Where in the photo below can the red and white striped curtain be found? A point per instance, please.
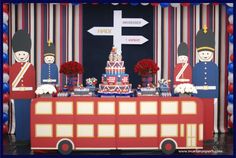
(59, 23)
(62, 24)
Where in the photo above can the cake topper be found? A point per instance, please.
(114, 56)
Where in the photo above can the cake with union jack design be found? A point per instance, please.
(115, 81)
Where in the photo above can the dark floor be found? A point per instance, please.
(222, 145)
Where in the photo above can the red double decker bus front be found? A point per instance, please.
(117, 123)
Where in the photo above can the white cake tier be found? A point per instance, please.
(104, 88)
(115, 64)
(115, 70)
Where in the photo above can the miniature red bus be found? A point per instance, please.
(90, 123)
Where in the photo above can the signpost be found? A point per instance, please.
(116, 30)
(133, 40)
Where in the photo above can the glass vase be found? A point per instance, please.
(72, 81)
(148, 79)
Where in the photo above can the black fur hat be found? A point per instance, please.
(49, 49)
(183, 49)
(21, 41)
(205, 40)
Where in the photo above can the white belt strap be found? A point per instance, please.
(181, 71)
(49, 80)
(205, 87)
(20, 75)
(22, 88)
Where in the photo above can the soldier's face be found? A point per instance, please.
(205, 55)
(182, 59)
(21, 56)
(49, 59)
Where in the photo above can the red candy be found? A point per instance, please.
(5, 68)
(231, 88)
(5, 38)
(5, 8)
(4, 129)
(232, 57)
(230, 29)
(5, 98)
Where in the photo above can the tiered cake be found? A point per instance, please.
(115, 81)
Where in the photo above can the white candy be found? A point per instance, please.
(231, 19)
(231, 47)
(230, 108)
(5, 77)
(230, 4)
(5, 107)
(5, 18)
(5, 48)
(231, 78)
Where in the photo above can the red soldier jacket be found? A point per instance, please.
(22, 81)
(182, 74)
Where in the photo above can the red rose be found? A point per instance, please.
(145, 67)
(71, 67)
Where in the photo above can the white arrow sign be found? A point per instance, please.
(102, 31)
(116, 30)
(133, 22)
(133, 40)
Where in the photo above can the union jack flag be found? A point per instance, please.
(111, 79)
(125, 79)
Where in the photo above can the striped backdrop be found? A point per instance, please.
(181, 24)
(62, 24)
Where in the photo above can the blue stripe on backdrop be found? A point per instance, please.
(162, 44)
(63, 36)
(220, 47)
(201, 16)
(45, 35)
(210, 9)
(191, 37)
(172, 45)
(73, 34)
(26, 17)
(16, 17)
(35, 37)
(181, 24)
(54, 24)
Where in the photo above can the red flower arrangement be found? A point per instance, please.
(71, 68)
(146, 67)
